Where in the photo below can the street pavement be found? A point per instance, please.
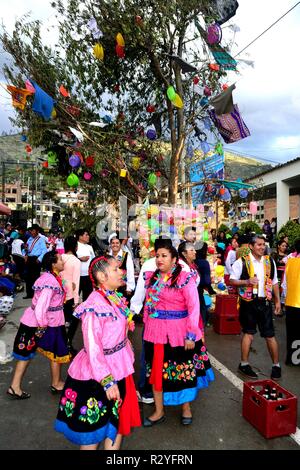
(218, 423)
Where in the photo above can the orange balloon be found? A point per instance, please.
(146, 243)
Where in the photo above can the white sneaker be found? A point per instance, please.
(141, 399)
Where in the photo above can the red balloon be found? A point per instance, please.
(45, 164)
(196, 80)
(150, 108)
(117, 87)
(90, 161)
(120, 50)
(139, 20)
(211, 250)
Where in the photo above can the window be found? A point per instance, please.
(14, 190)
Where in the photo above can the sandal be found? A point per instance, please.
(16, 396)
(55, 391)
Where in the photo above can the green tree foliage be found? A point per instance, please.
(249, 227)
(153, 30)
(291, 230)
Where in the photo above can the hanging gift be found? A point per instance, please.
(223, 58)
(123, 173)
(98, 51)
(73, 180)
(19, 96)
(231, 126)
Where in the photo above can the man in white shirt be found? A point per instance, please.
(85, 254)
(126, 263)
(255, 276)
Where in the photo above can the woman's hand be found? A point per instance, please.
(188, 344)
(113, 393)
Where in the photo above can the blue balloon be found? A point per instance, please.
(107, 119)
(151, 134)
(221, 286)
(205, 147)
(203, 101)
(23, 138)
(172, 229)
(222, 246)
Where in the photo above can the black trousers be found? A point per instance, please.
(73, 321)
(20, 265)
(85, 286)
(33, 272)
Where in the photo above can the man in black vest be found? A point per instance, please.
(255, 276)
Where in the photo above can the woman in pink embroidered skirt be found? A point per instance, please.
(99, 400)
(42, 328)
(176, 358)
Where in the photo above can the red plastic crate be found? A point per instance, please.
(270, 418)
(228, 325)
(226, 317)
(226, 305)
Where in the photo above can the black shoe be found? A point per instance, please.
(248, 371)
(276, 373)
(186, 421)
(148, 422)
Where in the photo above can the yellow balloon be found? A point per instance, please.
(120, 40)
(136, 162)
(53, 113)
(123, 173)
(219, 270)
(98, 51)
(177, 101)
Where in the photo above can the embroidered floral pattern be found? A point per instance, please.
(92, 411)
(115, 409)
(183, 371)
(30, 343)
(68, 401)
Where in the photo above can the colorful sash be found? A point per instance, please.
(246, 292)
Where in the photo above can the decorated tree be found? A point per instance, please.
(126, 84)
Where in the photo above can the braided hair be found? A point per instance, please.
(176, 272)
(49, 259)
(98, 264)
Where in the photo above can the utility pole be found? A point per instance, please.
(32, 195)
(3, 182)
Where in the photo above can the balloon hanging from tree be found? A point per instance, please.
(73, 180)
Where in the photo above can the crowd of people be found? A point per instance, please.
(70, 285)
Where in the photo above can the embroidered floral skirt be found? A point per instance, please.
(85, 415)
(178, 373)
(51, 343)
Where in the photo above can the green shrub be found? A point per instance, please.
(290, 229)
(249, 226)
(223, 228)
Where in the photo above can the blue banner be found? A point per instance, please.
(205, 169)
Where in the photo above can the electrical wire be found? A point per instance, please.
(271, 26)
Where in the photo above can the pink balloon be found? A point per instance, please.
(253, 207)
(87, 176)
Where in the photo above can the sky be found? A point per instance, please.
(268, 95)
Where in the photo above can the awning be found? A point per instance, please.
(4, 210)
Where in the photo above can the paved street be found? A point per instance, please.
(218, 422)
